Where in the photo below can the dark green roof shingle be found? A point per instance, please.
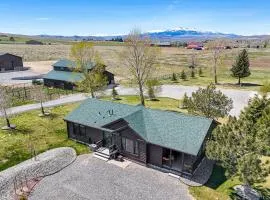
(182, 132)
(72, 77)
(71, 64)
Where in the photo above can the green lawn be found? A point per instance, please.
(162, 103)
(44, 133)
(50, 132)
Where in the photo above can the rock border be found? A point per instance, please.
(45, 164)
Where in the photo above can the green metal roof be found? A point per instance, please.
(71, 64)
(72, 77)
(182, 132)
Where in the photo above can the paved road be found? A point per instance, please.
(64, 100)
(89, 178)
(240, 98)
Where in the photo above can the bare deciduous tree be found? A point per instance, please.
(5, 103)
(140, 58)
(39, 95)
(216, 47)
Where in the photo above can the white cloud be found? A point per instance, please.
(42, 18)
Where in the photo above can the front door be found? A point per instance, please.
(107, 139)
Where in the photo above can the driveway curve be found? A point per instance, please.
(240, 97)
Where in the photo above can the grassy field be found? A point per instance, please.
(43, 133)
(50, 132)
(171, 60)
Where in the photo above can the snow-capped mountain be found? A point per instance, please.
(186, 34)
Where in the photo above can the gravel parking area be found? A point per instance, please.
(7, 78)
(91, 178)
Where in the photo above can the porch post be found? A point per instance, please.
(170, 158)
(183, 155)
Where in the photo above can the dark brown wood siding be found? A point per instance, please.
(110, 77)
(154, 155)
(10, 62)
(130, 134)
(58, 84)
(91, 135)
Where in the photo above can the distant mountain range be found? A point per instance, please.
(160, 35)
(178, 34)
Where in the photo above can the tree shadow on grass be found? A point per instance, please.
(242, 84)
(217, 178)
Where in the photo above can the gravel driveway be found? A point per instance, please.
(91, 178)
(7, 77)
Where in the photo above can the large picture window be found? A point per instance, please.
(79, 130)
(130, 146)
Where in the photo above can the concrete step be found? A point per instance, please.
(101, 156)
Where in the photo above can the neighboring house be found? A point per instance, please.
(162, 44)
(64, 76)
(195, 45)
(10, 62)
(171, 141)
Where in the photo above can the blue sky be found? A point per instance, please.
(94, 17)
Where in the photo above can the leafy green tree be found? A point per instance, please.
(93, 79)
(241, 67)
(210, 102)
(183, 75)
(153, 87)
(174, 77)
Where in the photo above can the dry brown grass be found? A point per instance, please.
(172, 60)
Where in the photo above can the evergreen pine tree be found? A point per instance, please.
(241, 67)
(185, 101)
(174, 77)
(183, 75)
(200, 72)
(192, 74)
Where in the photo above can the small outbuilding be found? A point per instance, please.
(65, 76)
(10, 62)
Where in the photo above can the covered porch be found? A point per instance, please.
(179, 161)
